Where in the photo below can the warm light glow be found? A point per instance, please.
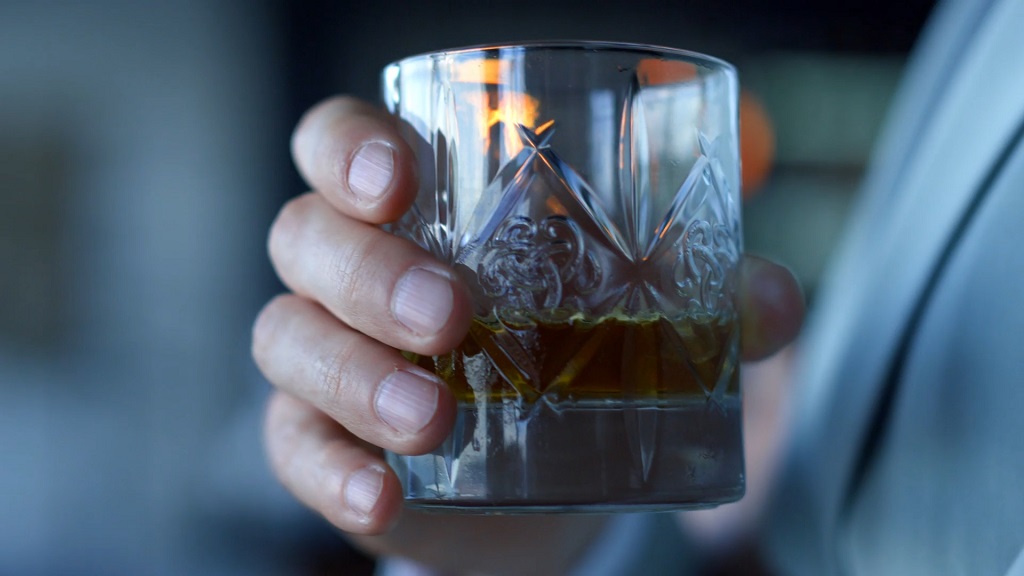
(757, 144)
(498, 104)
(512, 108)
(481, 71)
(657, 72)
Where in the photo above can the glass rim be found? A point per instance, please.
(639, 49)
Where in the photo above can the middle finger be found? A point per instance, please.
(379, 284)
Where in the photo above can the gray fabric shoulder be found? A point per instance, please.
(1018, 567)
(639, 545)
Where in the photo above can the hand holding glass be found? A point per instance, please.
(588, 194)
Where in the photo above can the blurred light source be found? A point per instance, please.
(757, 143)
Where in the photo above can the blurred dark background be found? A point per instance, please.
(143, 153)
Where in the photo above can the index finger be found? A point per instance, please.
(352, 153)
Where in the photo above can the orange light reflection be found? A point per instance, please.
(498, 105)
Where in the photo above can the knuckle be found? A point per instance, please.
(334, 378)
(280, 431)
(267, 326)
(353, 267)
(334, 452)
(287, 224)
(275, 411)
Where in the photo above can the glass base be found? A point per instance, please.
(594, 457)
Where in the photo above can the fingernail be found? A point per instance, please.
(370, 171)
(363, 489)
(406, 402)
(422, 301)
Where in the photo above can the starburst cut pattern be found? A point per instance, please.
(539, 246)
(539, 243)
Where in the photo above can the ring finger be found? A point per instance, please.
(367, 387)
